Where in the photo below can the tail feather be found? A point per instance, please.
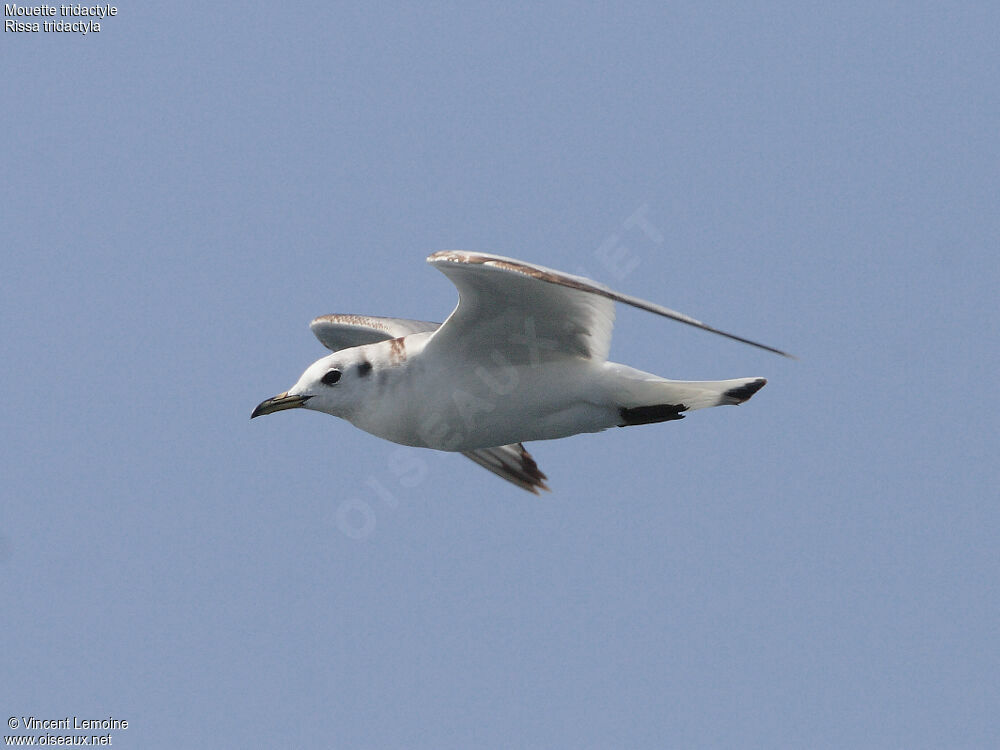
(642, 398)
(737, 395)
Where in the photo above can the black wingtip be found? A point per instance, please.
(534, 476)
(513, 463)
(744, 392)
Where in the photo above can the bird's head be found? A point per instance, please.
(332, 384)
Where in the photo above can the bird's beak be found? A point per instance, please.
(279, 403)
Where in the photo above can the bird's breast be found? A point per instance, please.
(474, 405)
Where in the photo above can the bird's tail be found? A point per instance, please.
(642, 398)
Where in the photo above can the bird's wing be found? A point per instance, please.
(531, 313)
(338, 332)
(525, 313)
(513, 463)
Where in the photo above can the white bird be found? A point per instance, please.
(522, 357)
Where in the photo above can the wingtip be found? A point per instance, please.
(512, 463)
(765, 347)
(534, 474)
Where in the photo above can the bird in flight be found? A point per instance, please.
(522, 357)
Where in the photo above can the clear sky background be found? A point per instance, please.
(183, 191)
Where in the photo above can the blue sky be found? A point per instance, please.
(186, 189)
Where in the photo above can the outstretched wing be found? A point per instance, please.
(505, 307)
(522, 310)
(338, 332)
(513, 463)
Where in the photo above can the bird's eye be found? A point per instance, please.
(331, 377)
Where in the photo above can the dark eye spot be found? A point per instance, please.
(364, 367)
(331, 377)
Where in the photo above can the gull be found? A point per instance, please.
(522, 357)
